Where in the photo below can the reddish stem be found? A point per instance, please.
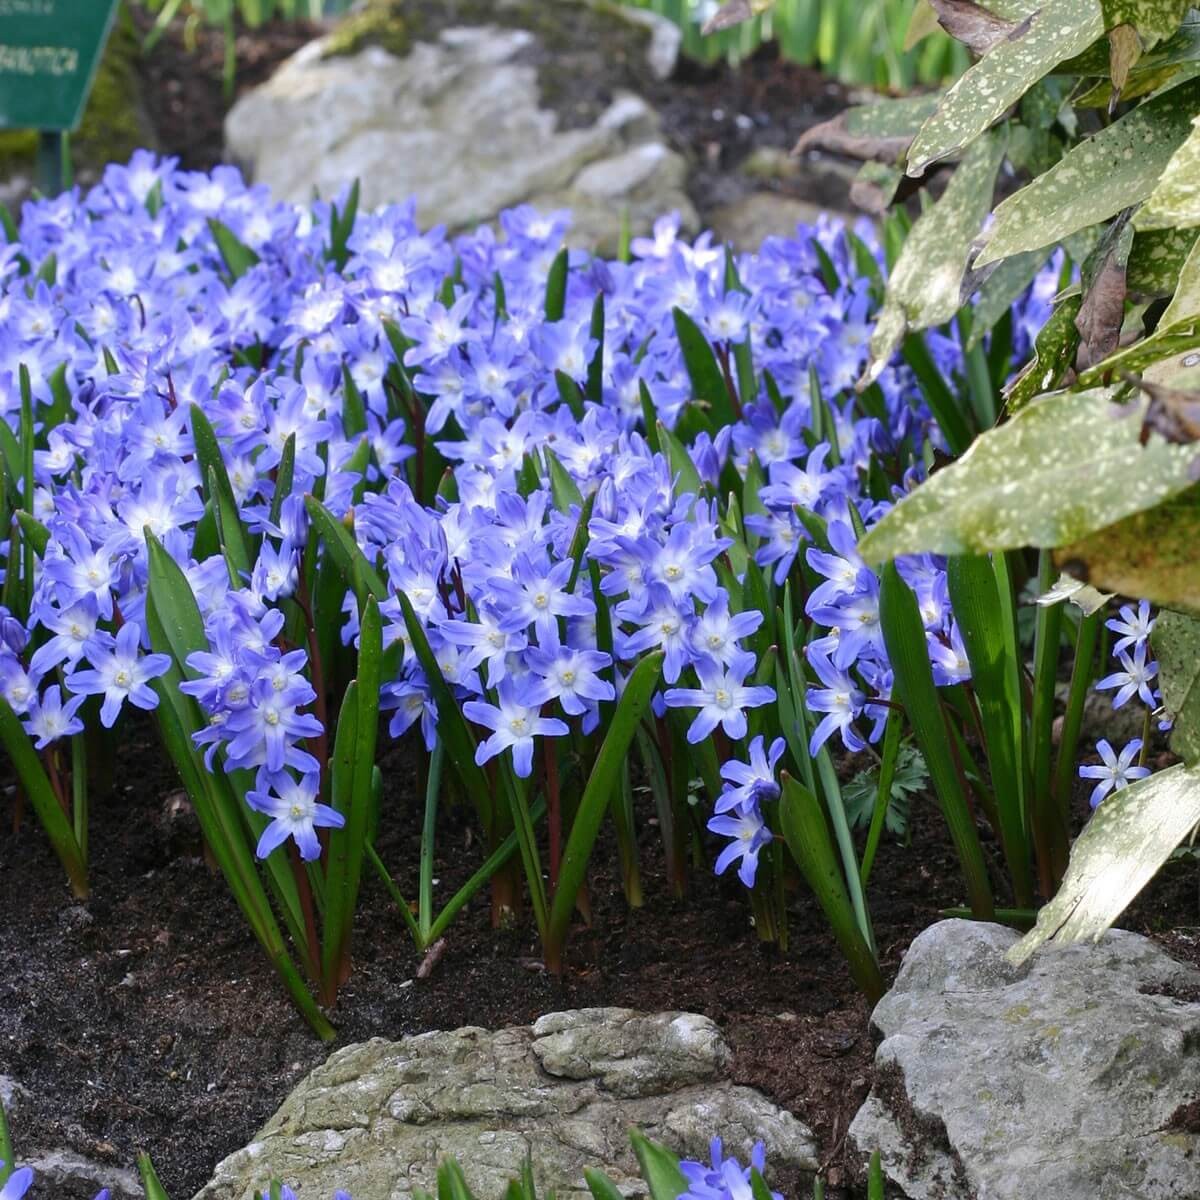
(553, 810)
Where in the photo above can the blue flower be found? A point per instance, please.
(291, 804)
(1116, 771)
(1134, 626)
(48, 719)
(515, 723)
(121, 674)
(753, 781)
(723, 1178)
(750, 834)
(1132, 679)
(17, 1184)
(722, 697)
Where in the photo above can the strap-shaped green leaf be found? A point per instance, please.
(597, 797)
(353, 764)
(556, 286)
(904, 637)
(990, 641)
(150, 1181)
(237, 256)
(708, 383)
(355, 569)
(807, 835)
(683, 470)
(36, 784)
(219, 490)
(660, 1168)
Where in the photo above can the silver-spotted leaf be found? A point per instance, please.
(1053, 356)
(1175, 201)
(1130, 835)
(1059, 29)
(1176, 643)
(999, 289)
(1156, 260)
(1153, 19)
(1063, 467)
(1151, 554)
(1116, 168)
(925, 285)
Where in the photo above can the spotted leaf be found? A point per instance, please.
(1056, 31)
(1120, 850)
(1116, 168)
(1062, 468)
(926, 282)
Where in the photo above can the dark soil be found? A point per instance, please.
(181, 79)
(715, 116)
(147, 1018)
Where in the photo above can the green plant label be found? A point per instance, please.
(49, 50)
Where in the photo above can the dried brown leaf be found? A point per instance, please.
(835, 135)
(1103, 310)
(973, 25)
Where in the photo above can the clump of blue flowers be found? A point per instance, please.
(1132, 680)
(543, 468)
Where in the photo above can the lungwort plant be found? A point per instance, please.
(1094, 461)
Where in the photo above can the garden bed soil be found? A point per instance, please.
(716, 116)
(147, 1018)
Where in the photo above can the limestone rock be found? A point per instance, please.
(12, 1094)
(1067, 1078)
(378, 1117)
(67, 1176)
(666, 39)
(458, 123)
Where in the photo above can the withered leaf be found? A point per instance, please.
(1103, 310)
(866, 147)
(734, 12)
(972, 24)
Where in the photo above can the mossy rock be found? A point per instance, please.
(586, 49)
(114, 123)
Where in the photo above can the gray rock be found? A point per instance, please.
(67, 1175)
(378, 1117)
(1063, 1079)
(12, 1094)
(459, 124)
(666, 39)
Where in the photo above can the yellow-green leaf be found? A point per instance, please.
(1175, 201)
(1063, 467)
(1151, 554)
(1131, 835)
